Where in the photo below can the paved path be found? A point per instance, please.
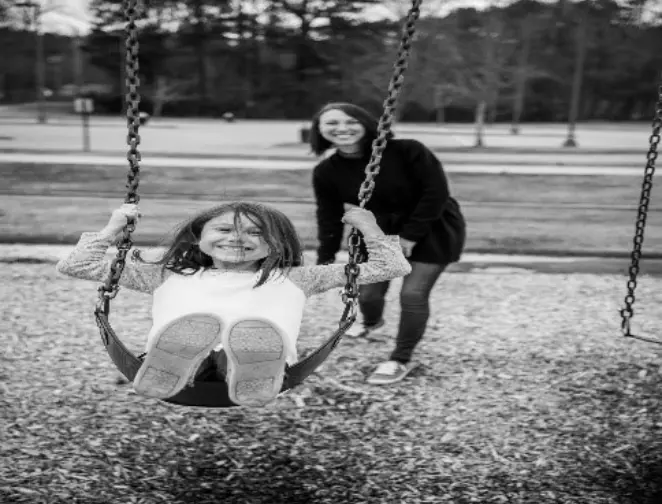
(52, 253)
(279, 164)
(300, 152)
(209, 136)
(165, 142)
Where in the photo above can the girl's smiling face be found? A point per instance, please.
(233, 243)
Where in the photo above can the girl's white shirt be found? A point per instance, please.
(232, 297)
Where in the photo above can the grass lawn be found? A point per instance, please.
(492, 205)
(295, 184)
(526, 393)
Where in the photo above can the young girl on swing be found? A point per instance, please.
(233, 279)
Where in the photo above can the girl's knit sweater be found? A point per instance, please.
(232, 296)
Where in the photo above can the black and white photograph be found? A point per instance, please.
(330, 252)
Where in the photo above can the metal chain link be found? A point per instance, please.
(132, 9)
(628, 312)
(351, 290)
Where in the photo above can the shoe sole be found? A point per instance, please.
(180, 348)
(256, 362)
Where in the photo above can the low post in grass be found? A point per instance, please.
(84, 107)
(304, 134)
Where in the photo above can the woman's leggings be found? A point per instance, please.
(414, 303)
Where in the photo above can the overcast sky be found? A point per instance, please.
(67, 15)
(73, 17)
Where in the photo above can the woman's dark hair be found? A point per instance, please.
(319, 144)
(285, 251)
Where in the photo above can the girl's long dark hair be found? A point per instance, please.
(319, 144)
(183, 255)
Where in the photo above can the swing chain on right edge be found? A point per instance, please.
(351, 291)
(132, 9)
(628, 312)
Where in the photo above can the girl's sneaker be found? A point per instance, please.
(256, 362)
(178, 350)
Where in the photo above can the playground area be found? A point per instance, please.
(526, 390)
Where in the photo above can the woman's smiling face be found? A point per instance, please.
(340, 129)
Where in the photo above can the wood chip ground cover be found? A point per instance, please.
(526, 393)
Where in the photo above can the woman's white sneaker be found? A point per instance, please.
(390, 372)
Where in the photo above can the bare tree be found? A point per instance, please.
(481, 69)
(521, 74)
(33, 21)
(306, 14)
(167, 89)
(580, 57)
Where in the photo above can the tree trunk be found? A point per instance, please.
(480, 122)
(520, 85)
(399, 111)
(40, 67)
(577, 80)
(252, 79)
(301, 91)
(122, 49)
(159, 97)
(201, 51)
(439, 104)
(242, 59)
(493, 110)
(77, 58)
(492, 66)
(58, 77)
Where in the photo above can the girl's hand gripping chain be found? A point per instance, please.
(363, 220)
(120, 218)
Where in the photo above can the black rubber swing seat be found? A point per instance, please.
(212, 394)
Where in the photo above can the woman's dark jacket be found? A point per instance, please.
(411, 199)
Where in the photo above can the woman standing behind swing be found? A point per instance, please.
(411, 199)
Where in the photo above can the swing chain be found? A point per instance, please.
(109, 289)
(351, 290)
(394, 89)
(628, 312)
(131, 7)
